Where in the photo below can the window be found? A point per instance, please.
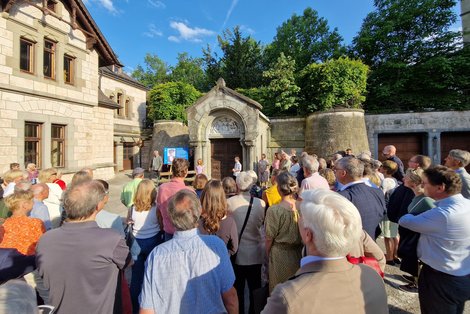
(49, 59)
(32, 143)
(51, 4)
(68, 69)
(57, 145)
(120, 111)
(26, 55)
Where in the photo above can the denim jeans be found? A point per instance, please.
(138, 269)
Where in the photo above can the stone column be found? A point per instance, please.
(250, 154)
(118, 146)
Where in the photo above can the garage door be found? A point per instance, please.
(453, 140)
(407, 144)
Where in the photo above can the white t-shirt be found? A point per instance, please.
(145, 223)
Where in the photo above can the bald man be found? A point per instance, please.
(41, 192)
(390, 152)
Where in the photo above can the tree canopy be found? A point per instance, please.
(307, 39)
(168, 101)
(337, 82)
(241, 63)
(155, 71)
(189, 70)
(416, 60)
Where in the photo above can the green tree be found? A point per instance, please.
(307, 39)
(155, 71)
(241, 63)
(168, 101)
(189, 70)
(416, 61)
(337, 82)
(282, 89)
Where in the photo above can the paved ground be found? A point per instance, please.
(399, 302)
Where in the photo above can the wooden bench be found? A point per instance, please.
(166, 177)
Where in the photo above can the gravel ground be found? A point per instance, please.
(399, 302)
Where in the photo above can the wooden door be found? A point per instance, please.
(223, 152)
(454, 140)
(407, 144)
(128, 156)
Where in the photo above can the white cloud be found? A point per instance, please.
(229, 12)
(189, 34)
(153, 32)
(247, 29)
(108, 5)
(157, 4)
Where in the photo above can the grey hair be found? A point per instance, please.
(81, 200)
(39, 188)
(184, 209)
(311, 163)
(253, 175)
(23, 186)
(461, 155)
(244, 181)
(334, 221)
(353, 167)
(287, 184)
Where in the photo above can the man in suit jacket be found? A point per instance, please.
(369, 201)
(326, 281)
(457, 160)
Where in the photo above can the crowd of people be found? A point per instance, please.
(301, 230)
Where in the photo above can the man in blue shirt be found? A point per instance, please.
(457, 160)
(444, 244)
(41, 192)
(190, 273)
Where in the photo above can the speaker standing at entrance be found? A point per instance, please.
(237, 168)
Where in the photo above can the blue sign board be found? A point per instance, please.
(170, 153)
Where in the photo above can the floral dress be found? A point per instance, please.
(286, 250)
(21, 233)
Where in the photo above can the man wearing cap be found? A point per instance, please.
(127, 194)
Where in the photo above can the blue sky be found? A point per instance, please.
(167, 27)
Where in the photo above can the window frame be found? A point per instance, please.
(51, 5)
(119, 98)
(37, 160)
(52, 57)
(71, 69)
(31, 44)
(60, 145)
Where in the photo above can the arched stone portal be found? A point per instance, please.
(223, 124)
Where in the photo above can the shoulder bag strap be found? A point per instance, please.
(246, 219)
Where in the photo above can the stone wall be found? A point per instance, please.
(285, 134)
(432, 123)
(168, 133)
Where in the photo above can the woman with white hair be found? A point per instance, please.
(330, 227)
(248, 213)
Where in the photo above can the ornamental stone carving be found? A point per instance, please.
(225, 126)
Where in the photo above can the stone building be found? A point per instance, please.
(224, 124)
(63, 100)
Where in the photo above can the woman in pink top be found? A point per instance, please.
(276, 161)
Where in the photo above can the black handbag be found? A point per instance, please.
(234, 256)
(128, 230)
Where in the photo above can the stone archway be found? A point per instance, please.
(225, 123)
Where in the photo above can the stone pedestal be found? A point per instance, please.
(331, 131)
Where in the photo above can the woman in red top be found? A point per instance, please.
(20, 231)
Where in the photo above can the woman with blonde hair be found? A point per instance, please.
(214, 219)
(53, 202)
(283, 241)
(407, 248)
(20, 231)
(146, 229)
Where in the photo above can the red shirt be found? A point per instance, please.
(165, 192)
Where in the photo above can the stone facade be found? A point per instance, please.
(128, 120)
(57, 118)
(432, 124)
(225, 114)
